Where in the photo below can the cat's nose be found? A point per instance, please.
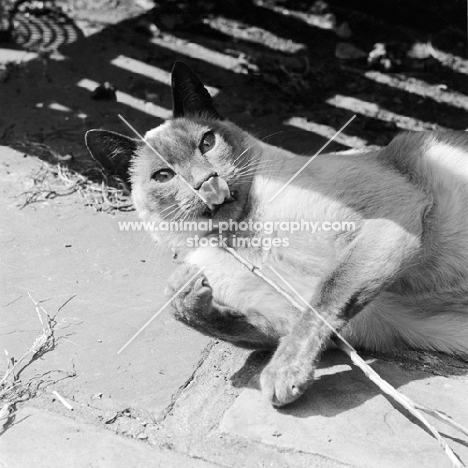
(205, 178)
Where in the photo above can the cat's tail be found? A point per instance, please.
(436, 322)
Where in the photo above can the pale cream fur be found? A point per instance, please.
(417, 188)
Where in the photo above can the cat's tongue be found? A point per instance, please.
(215, 191)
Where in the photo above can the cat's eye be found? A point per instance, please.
(208, 141)
(163, 175)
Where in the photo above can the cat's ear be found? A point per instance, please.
(189, 96)
(112, 151)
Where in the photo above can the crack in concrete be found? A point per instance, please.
(178, 393)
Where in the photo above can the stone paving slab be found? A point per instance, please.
(47, 440)
(345, 417)
(58, 249)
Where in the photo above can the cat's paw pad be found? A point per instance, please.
(283, 382)
(193, 295)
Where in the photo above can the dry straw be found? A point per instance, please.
(43, 343)
(57, 179)
(14, 389)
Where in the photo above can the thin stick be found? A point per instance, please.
(445, 418)
(40, 342)
(368, 371)
(399, 397)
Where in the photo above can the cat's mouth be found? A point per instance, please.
(211, 209)
(215, 193)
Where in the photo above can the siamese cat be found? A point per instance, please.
(398, 280)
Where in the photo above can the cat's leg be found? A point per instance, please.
(435, 321)
(376, 257)
(196, 307)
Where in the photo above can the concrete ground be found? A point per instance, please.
(173, 397)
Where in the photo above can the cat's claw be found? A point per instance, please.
(284, 381)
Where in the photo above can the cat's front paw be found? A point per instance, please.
(285, 378)
(193, 305)
(193, 294)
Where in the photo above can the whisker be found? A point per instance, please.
(250, 171)
(177, 217)
(245, 166)
(250, 166)
(251, 162)
(261, 139)
(249, 177)
(186, 216)
(169, 214)
(168, 207)
(182, 213)
(174, 209)
(243, 152)
(253, 170)
(276, 133)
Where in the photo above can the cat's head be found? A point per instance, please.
(195, 166)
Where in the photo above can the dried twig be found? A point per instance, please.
(414, 408)
(44, 342)
(12, 388)
(445, 418)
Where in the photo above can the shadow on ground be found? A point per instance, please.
(273, 69)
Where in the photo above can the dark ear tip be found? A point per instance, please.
(181, 72)
(180, 66)
(90, 135)
(189, 95)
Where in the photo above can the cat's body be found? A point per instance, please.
(400, 279)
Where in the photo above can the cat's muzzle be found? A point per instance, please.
(216, 193)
